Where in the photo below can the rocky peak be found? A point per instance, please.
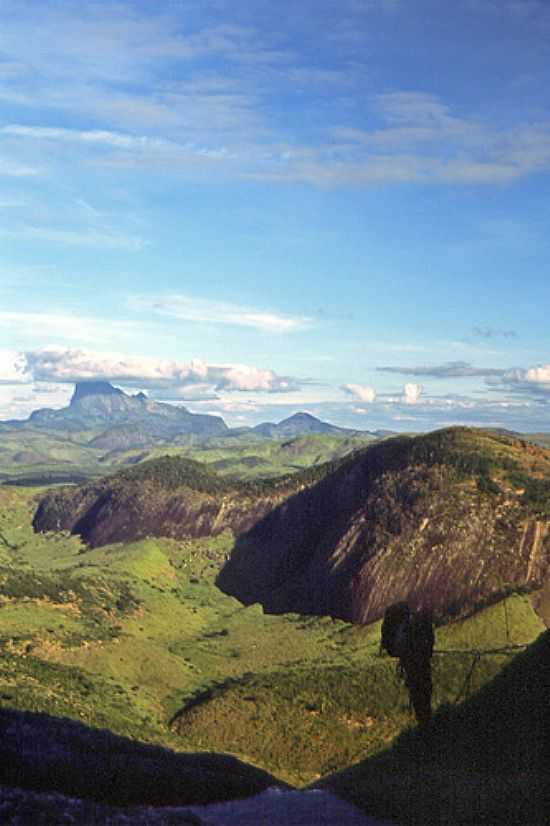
(94, 388)
(300, 417)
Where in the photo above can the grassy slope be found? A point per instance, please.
(307, 721)
(144, 637)
(125, 637)
(251, 458)
(32, 454)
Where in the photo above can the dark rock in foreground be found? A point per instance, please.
(47, 754)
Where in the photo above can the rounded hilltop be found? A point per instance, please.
(448, 520)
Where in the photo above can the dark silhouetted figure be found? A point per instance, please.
(410, 637)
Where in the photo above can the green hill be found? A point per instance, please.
(448, 520)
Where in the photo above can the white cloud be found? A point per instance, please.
(419, 140)
(534, 381)
(57, 364)
(224, 406)
(517, 8)
(538, 375)
(85, 238)
(107, 60)
(12, 368)
(140, 145)
(362, 6)
(188, 308)
(360, 392)
(160, 72)
(411, 393)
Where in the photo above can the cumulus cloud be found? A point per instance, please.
(362, 393)
(12, 368)
(58, 364)
(451, 369)
(411, 393)
(538, 375)
(533, 381)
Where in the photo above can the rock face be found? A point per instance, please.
(420, 519)
(170, 496)
(41, 754)
(83, 389)
(121, 420)
(447, 521)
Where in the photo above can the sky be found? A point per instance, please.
(254, 208)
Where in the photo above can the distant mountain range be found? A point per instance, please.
(116, 419)
(103, 426)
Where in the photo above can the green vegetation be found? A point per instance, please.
(31, 456)
(136, 638)
(173, 472)
(305, 721)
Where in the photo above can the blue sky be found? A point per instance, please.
(253, 208)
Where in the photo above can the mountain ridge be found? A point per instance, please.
(95, 401)
(298, 424)
(448, 521)
(421, 519)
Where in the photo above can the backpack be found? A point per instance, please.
(395, 628)
(422, 635)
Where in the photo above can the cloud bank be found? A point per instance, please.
(64, 365)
